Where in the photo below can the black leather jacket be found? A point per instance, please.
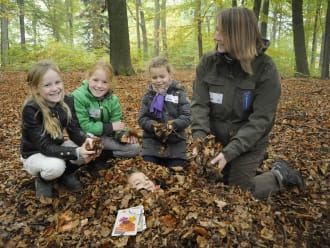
(35, 140)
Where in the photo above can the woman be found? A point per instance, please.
(235, 96)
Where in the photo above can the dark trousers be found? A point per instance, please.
(168, 162)
(242, 171)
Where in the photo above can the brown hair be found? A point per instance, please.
(158, 62)
(34, 80)
(239, 27)
(103, 65)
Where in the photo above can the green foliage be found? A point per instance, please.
(66, 57)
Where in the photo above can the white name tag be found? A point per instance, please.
(171, 98)
(216, 97)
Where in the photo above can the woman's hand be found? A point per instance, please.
(118, 125)
(84, 153)
(220, 159)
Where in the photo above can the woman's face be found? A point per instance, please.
(218, 38)
(139, 180)
(51, 88)
(160, 78)
(98, 83)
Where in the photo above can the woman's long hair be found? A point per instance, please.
(239, 28)
(34, 79)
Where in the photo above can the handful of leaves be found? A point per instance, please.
(96, 146)
(163, 130)
(206, 149)
(123, 135)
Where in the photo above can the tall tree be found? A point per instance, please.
(156, 28)
(264, 18)
(69, 20)
(163, 25)
(326, 46)
(137, 17)
(20, 4)
(198, 21)
(315, 32)
(144, 32)
(256, 7)
(120, 55)
(299, 38)
(4, 35)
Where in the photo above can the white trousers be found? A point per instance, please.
(49, 168)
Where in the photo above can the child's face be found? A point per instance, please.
(98, 83)
(160, 78)
(139, 180)
(51, 88)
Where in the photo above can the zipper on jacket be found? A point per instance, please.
(101, 109)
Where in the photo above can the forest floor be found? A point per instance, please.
(190, 211)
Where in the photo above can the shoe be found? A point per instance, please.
(287, 176)
(71, 182)
(95, 166)
(43, 188)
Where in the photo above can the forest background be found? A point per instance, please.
(75, 33)
(192, 212)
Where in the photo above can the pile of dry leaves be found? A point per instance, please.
(190, 210)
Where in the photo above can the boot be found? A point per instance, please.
(100, 163)
(71, 182)
(43, 188)
(287, 176)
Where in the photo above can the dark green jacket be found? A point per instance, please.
(237, 108)
(96, 115)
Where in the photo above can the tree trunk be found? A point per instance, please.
(120, 55)
(198, 20)
(299, 38)
(326, 46)
(234, 3)
(315, 31)
(20, 4)
(163, 24)
(156, 28)
(264, 19)
(144, 34)
(137, 17)
(256, 7)
(4, 36)
(69, 20)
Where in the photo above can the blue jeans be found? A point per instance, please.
(168, 162)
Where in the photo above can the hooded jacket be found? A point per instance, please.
(177, 108)
(96, 115)
(237, 108)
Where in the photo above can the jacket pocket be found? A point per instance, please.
(243, 105)
(218, 97)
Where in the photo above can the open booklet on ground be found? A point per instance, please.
(129, 221)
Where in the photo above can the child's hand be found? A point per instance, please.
(118, 125)
(93, 144)
(86, 154)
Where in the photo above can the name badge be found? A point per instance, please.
(216, 97)
(94, 113)
(172, 98)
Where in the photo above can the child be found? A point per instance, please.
(99, 113)
(138, 180)
(45, 114)
(165, 102)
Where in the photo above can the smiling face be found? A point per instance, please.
(51, 88)
(218, 38)
(139, 180)
(98, 83)
(160, 78)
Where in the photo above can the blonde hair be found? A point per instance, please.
(239, 27)
(103, 65)
(158, 62)
(34, 80)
